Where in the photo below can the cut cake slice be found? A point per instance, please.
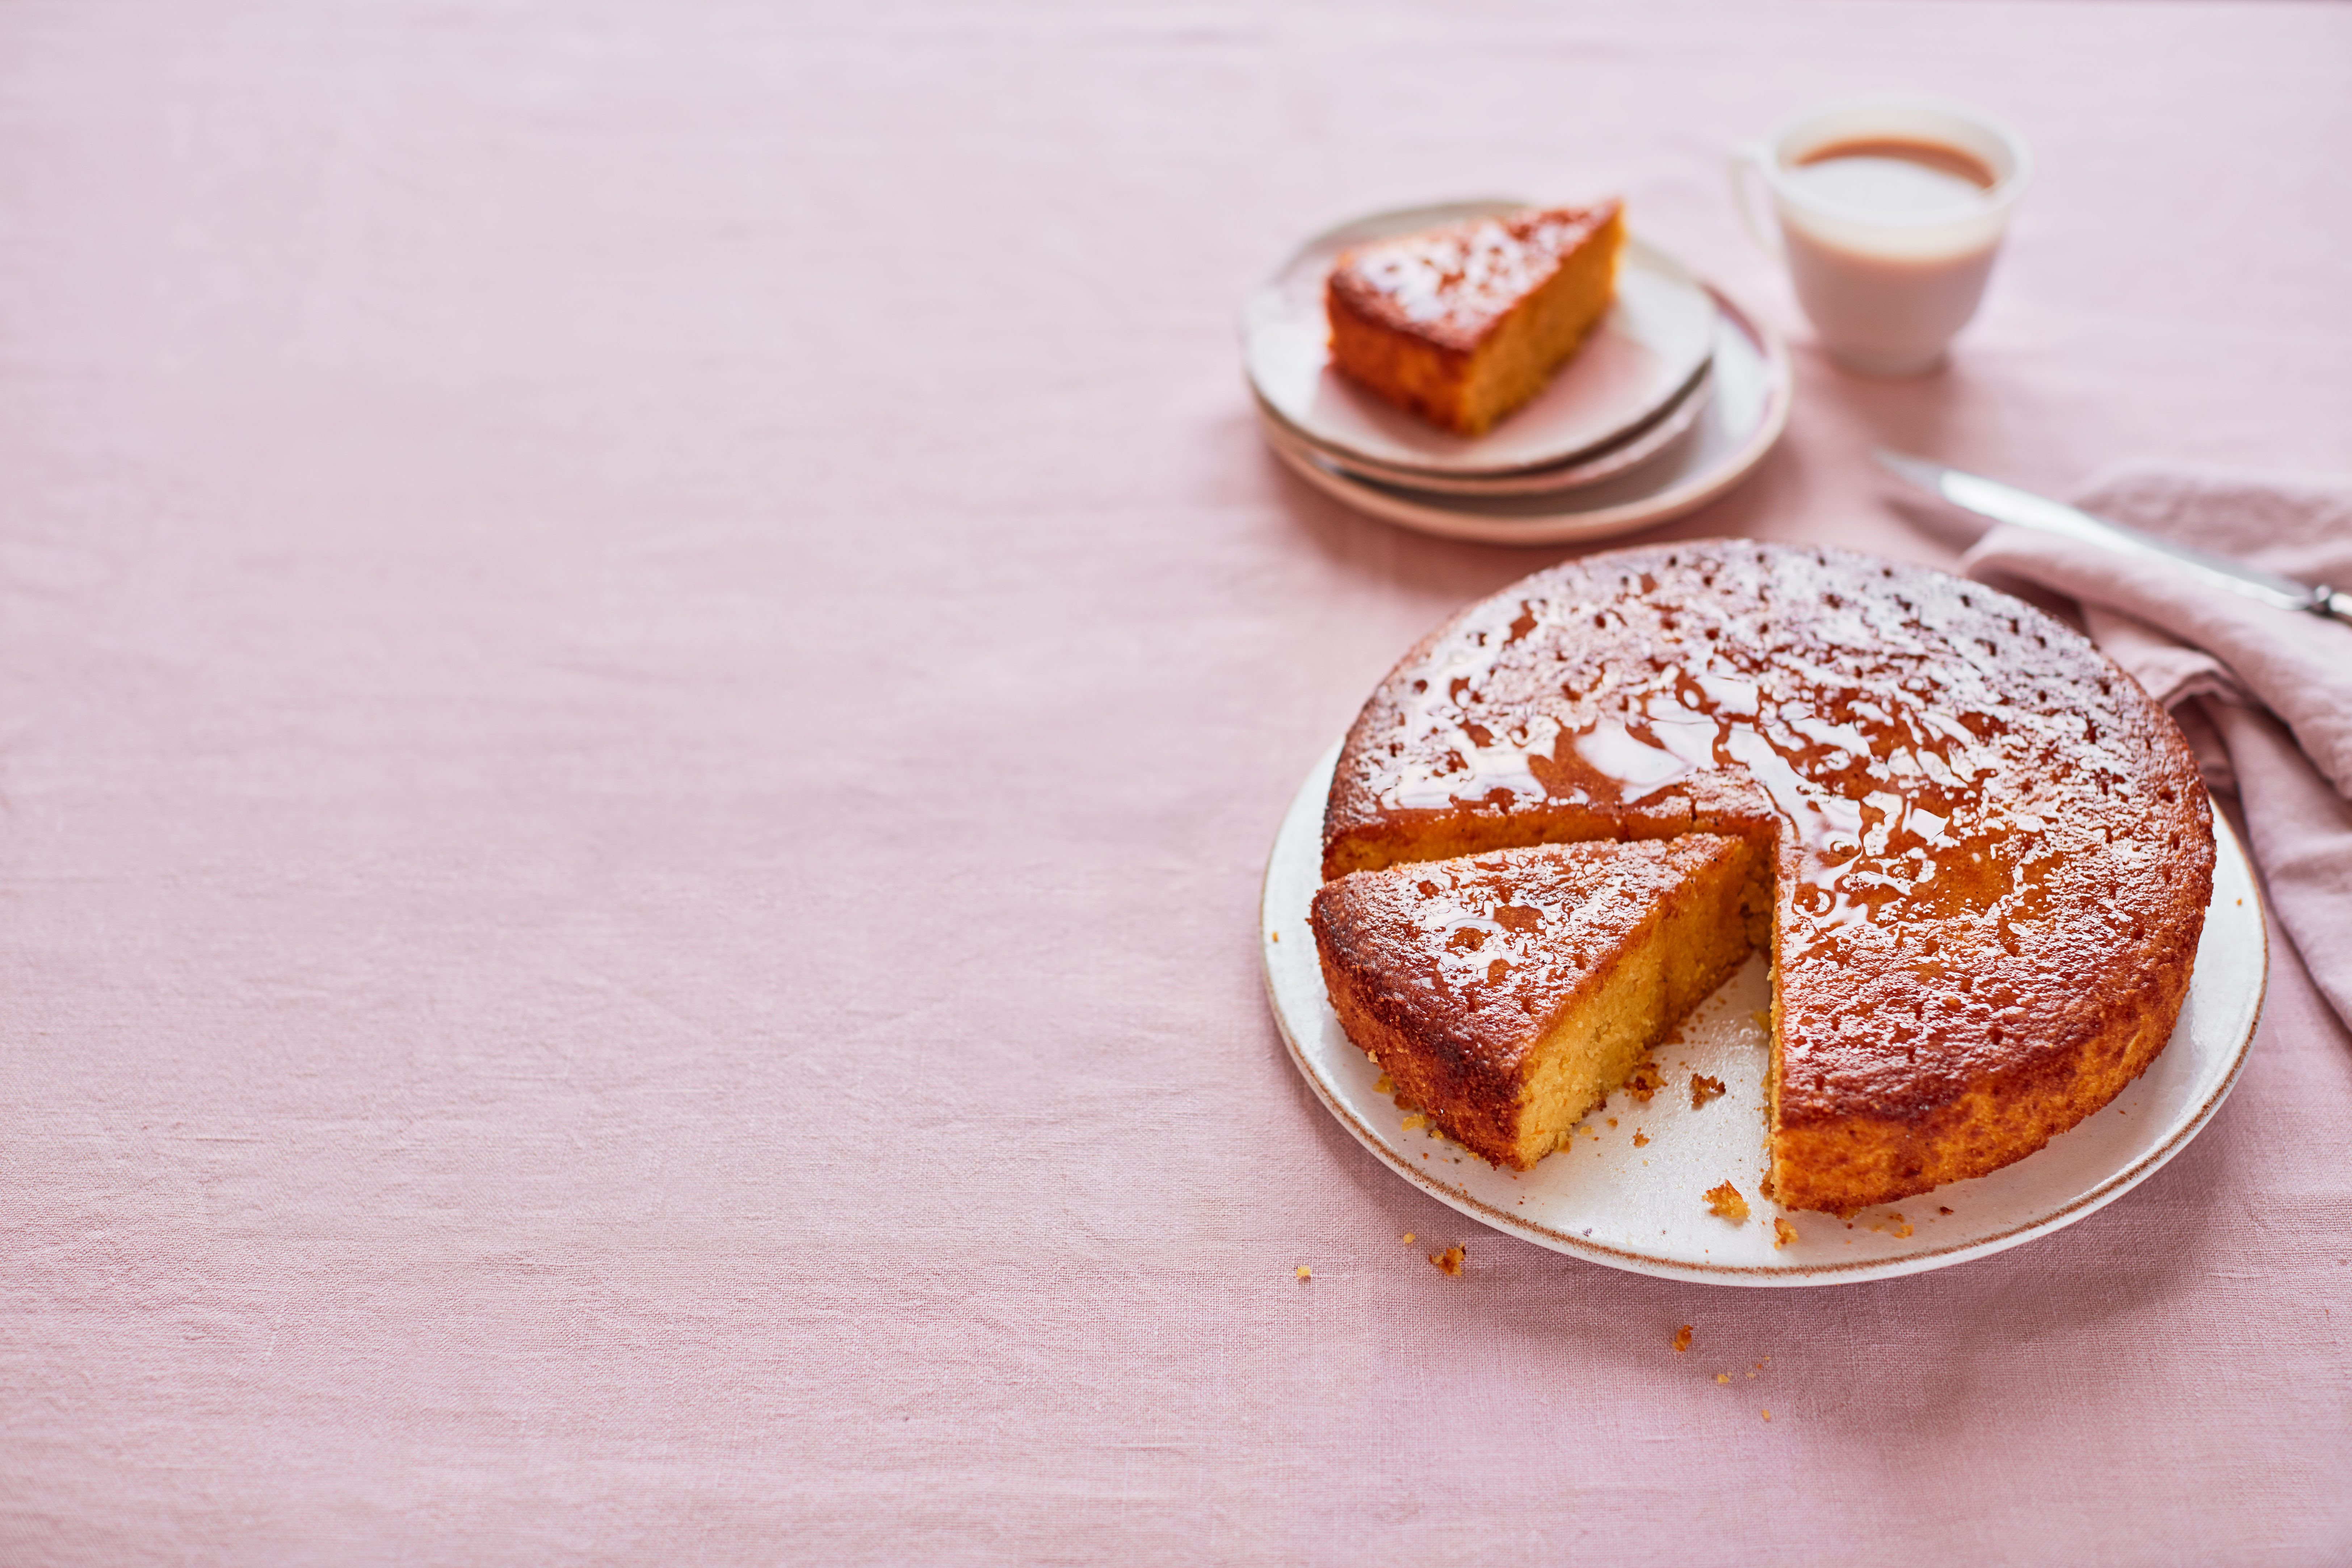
(1507, 994)
(1461, 325)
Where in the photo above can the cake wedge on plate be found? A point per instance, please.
(1463, 324)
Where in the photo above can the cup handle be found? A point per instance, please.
(1748, 162)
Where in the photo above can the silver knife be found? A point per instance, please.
(1988, 497)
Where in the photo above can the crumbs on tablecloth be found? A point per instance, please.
(1768, 1416)
(1450, 1260)
(1305, 1273)
(1704, 1089)
(1941, 1209)
(1726, 1203)
(1408, 1238)
(1783, 1232)
(1723, 1377)
(1682, 1339)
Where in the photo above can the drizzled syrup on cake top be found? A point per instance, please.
(1453, 284)
(1537, 923)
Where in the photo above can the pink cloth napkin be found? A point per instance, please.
(2265, 695)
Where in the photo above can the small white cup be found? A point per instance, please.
(1885, 290)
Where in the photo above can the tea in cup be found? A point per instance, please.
(1888, 211)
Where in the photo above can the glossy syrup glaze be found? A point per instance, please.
(1453, 285)
(1485, 949)
(1987, 836)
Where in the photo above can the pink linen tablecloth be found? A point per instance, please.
(646, 658)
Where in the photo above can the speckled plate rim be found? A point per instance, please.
(2236, 903)
(1427, 512)
(1637, 447)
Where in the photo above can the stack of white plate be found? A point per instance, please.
(1673, 399)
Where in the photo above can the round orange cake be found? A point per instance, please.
(1990, 850)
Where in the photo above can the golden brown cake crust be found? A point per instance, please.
(1994, 852)
(1450, 972)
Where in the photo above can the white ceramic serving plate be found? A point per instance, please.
(1635, 447)
(1751, 387)
(1641, 1208)
(1645, 354)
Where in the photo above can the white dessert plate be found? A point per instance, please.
(1639, 1206)
(1643, 353)
(1750, 388)
(1636, 446)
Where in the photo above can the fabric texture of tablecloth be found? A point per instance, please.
(647, 657)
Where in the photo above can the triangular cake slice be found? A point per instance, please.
(1507, 994)
(1463, 324)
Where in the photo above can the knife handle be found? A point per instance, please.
(2333, 603)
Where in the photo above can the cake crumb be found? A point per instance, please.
(1941, 1209)
(1682, 1339)
(1783, 1232)
(1768, 1416)
(1612, 1122)
(1386, 1085)
(1274, 936)
(1640, 1138)
(1704, 1089)
(1450, 1260)
(1415, 1122)
(1645, 1080)
(1408, 1238)
(1305, 1273)
(1727, 1203)
(1723, 1377)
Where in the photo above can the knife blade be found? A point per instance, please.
(2022, 508)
